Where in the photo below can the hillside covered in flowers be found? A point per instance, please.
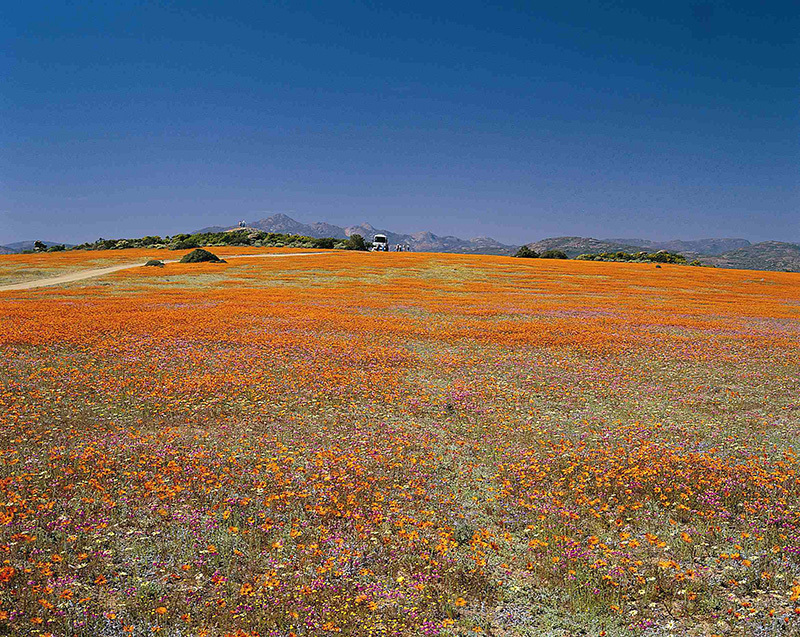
(398, 444)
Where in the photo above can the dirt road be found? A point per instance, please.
(90, 274)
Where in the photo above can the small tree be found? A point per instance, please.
(526, 253)
(201, 256)
(554, 254)
(662, 256)
(39, 246)
(185, 244)
(356, 242)
(325, 242)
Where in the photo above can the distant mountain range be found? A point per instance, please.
(767, 255)
(418, 241)
(726, 253)
(723, 253)
(690, 248)
(573, 246)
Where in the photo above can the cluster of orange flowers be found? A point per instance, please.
(390, 444)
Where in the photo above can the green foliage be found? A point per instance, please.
(356, 242)
(662, 256)
(327, 243)
(241, 237)
(155, 263)
(39, 246)
(185, 244)
(526, 253)
(554, 254)
(57, 248)
(463, 533)
(201, 256)
(106, 244)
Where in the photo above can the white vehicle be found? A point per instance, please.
(380, 243)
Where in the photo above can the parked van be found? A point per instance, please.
(380, 243)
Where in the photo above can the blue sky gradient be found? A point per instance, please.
(605, 119)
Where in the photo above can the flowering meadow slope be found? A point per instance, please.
(399, 444)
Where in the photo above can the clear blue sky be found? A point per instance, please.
(517, 121)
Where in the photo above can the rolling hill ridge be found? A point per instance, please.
(419, 241)
(723, 253)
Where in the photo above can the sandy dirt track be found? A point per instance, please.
(90, 274)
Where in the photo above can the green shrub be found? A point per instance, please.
(155, 263)
(526, 253)
(554, 254)
(240, 237)
(356, 242)
(463, 533)
(662, 256)
(326, 243)
(201, 256)
(186, 244)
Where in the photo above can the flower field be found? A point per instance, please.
(398, 444)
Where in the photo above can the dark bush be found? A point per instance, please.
(326, 243)
(526, 253)
(106, 244)
(662, 256)
(356, 242)
(201, 256)
(238, 237)
(554, 254)
(463, 533)
(155, 263)
(185, 244)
